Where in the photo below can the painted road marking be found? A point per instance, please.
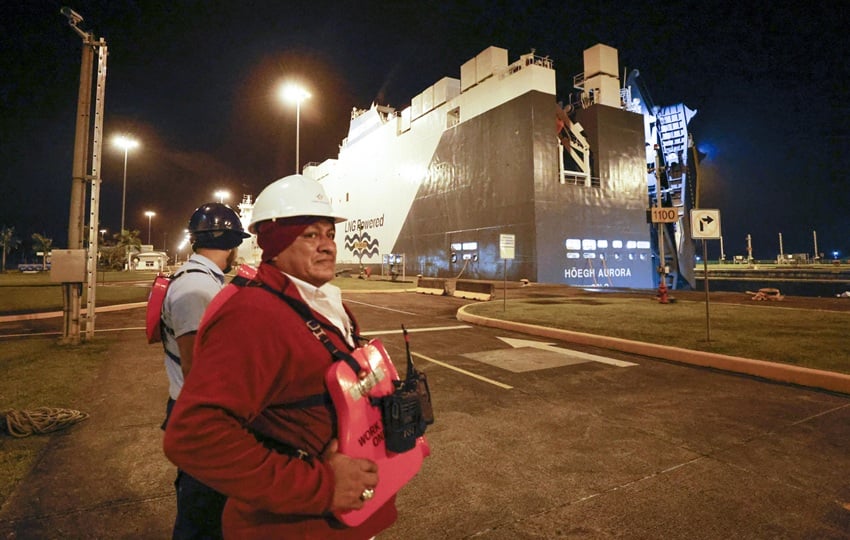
(413, 330)
(348, 301)
(463, 371)
(519, 343)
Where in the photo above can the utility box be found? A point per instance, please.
(68, 266)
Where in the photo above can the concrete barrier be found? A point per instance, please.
(436, 286)
(474, 290)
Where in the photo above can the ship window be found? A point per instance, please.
(617, 256)
(453, 117)
(617, 244)
(643, 244)
(456, 246)
(602, 244)
(572, 255)
(346, 196)
(573, 243)
(588, 244)
(631, 244)
(589, 255)
(467, 246)
(643, 256)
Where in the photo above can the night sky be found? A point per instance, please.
(195, 82)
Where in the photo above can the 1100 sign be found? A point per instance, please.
(664, 215)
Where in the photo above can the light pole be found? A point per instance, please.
(222, 194)
(125, 143)
(294, 93)
(150, 215)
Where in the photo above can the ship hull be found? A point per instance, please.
(445, 192)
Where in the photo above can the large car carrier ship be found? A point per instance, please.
(489, 177)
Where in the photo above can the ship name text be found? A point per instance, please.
(577, 273)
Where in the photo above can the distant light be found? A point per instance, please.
(149, 213)
(222, 194)
(835, 254)
(294, 93)
(124, 142)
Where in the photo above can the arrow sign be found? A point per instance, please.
(705, 224)
(520, 343)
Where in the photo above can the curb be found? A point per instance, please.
(52, 314)
(785, 373)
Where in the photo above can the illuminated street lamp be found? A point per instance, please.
(297, 94)
(183, 243)
(125, 143)
(102, 232)
(222, 194)
(150, 215)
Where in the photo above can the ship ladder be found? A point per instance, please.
(607, 273)
(592, 272)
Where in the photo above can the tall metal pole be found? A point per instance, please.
(297, 136)
(124, 192)
(71, 292)
(815, 236)
(293, 92)
(662, 258)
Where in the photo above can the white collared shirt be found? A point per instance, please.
(326, 300)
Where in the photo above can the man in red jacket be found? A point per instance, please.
(253, 420)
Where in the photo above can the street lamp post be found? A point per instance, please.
(125, 143)
(150, 215)
(297, 94)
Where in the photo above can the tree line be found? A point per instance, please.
(112, 254)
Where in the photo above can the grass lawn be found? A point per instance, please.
(38, 372)
(818, 338)
(24, 293)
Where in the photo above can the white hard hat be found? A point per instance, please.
(292, 196)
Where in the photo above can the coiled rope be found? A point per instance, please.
(23, 423)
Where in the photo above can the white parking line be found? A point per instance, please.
(431, 329)
(459, 370)
(348, 301)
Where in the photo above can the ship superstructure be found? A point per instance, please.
(438, 186)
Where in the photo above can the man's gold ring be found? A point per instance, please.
(367, 494)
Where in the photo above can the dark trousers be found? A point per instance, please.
(199, 507)
(199, 510)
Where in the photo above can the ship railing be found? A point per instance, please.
(575, 178)
(528, 60)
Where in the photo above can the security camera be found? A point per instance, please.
(74, 18)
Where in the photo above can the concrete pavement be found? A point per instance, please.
(107, 478)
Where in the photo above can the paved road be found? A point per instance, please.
(531, 441)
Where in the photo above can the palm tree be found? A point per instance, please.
(42, 244)
(9, 241)
(125, 241)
